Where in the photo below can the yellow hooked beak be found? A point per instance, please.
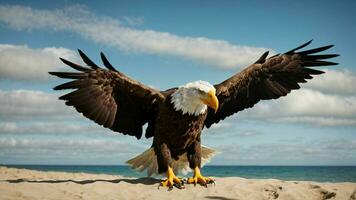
(211, 100)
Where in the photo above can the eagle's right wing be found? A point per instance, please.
(108, 97)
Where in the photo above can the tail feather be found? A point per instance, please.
(153, 168)
(207, 155)
(148, 160)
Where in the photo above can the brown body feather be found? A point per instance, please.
(122, 104)
(176, 134)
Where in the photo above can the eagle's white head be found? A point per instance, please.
(193, 98)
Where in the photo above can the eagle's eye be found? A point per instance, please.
(201, 92)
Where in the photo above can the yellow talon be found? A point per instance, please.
(172, 180)
(198, 178)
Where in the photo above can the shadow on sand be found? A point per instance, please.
(219, 198)
(145, 181)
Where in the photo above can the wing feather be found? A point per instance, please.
(106, 62)
(87, 60)
(108, 97)
(268, 79)
(74, 66)
(69, 75)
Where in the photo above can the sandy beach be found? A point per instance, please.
(30, 184)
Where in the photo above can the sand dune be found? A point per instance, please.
(30, 184)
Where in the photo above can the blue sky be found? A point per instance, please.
(166, 44)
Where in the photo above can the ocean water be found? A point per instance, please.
(290, 173)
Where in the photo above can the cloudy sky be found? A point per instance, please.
(166, 44)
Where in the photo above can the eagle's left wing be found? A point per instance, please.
(267, 79)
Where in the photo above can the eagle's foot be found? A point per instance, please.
(172, 180)
(199, 179)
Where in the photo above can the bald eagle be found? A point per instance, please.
(175, 117)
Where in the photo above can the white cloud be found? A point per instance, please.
(248, 133)
(226, 129)
(30, 105)
(341, 144)
(54, 128)
(19, 62)
(310, 152)
(133, 21)
(221, 126)
(66, 145)
(307, 106)
(335, 81)
(8, 127)
(111, 32)
(319, 121)
(55, 150)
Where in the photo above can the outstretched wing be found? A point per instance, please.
(267, 79)
(108, 97)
